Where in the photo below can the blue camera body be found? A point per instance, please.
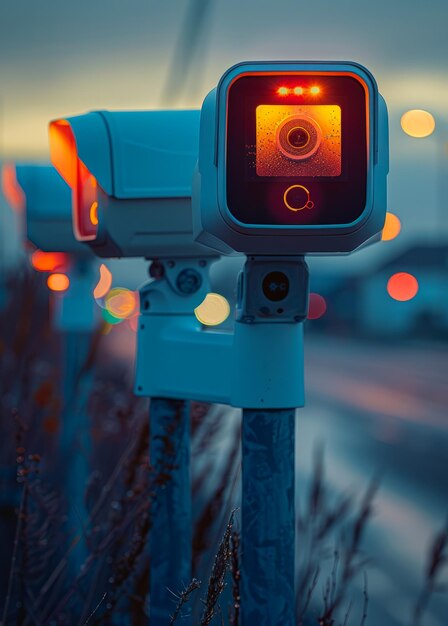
(48, 216)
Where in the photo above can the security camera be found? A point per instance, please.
(45, 197)
(130, 175)
(293, 159)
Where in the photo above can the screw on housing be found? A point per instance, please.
(188, 281)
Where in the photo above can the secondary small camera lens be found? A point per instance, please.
(275, 286)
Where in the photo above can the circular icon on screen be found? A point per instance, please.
(297, 198)
(298, 137)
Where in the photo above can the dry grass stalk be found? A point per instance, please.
(436, 564)
(216, 582)
(234, 618)
(183, 598)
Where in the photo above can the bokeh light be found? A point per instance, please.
(110, 319)
(418, 123)
(213, 310)
(392, 227)
(58, 282)
(121, 303)
(317, 306)
(133, 323)
(104, 283)
(402, 286)
(49, 261)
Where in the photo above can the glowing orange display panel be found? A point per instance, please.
(297, 147)
(298, 140)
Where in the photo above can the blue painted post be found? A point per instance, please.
(267, 518)
(171, 533)
(75, 441)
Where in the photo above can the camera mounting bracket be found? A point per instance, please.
(256, 365)
(179, 286)
(273, 289)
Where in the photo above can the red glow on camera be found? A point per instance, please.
(64, 156)
(12, 191)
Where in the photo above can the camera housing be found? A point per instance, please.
(130, 174)
(293, 159)
(45, 198)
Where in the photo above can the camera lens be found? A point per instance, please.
(298, 137)
(276, 286)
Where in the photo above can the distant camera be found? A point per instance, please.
(293, 159)
(130, 174)
(47, 202)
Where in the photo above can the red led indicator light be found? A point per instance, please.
(298, 90)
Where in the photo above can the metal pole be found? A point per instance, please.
(75, 443)
(267, 518)
(171, 533)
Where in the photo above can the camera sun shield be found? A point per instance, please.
(299, 159)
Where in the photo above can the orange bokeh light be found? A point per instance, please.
(121, 303)
(58, 282)
(315, 90)
(402, 286)
(317, 306)
(392, 227)
(12, 191)
(283, 91)
(418, 123)
(104, 283)
(49, 261)
(298, 91)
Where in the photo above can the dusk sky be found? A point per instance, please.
(60, 58)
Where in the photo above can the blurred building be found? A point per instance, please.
(406, 295)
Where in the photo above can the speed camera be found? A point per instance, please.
(293, 159)
(46, 200)
(130, 175)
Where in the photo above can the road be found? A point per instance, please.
(378, 406)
